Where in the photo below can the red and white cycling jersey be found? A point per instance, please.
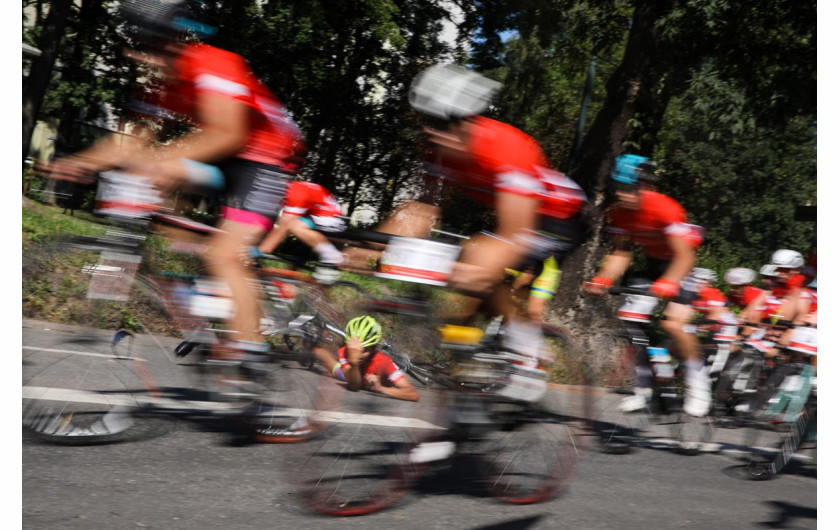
(378, 364)
(308, 198)
(650, 224)
(811, 317)
(708, 299)
(274, 137)
(504, 159)
(793, 283)
(748, 296)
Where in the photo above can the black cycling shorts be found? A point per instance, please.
(554, 238)
(254, 192)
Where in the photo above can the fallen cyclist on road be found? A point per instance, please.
(363, 366)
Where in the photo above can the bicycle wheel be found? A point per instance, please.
(778, 421)
(361, 461)
(83, 389)
(536, 452)
(529, 458)
(617, 430)
(735, 388)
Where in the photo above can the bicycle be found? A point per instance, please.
(370, 453)
(89, 387)
(780, 414)
(662, 420)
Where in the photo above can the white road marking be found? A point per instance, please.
(84, 353)
(81, 396)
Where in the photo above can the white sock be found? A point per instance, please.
(327, 253)
(694, 373)
(524, 337)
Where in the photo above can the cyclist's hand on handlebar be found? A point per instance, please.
(71, 168)
(167, 175)
(665, 288)
(598, 285)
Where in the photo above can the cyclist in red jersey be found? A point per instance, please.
(749, 300)
(308, 206)
(240, 127)
(659, 225)
(538, 210)
(811, 317)
(708, 300)
(361, 365)
(788, 299)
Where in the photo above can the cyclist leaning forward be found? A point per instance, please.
(239, 126)
(538, 210)
(659, 225)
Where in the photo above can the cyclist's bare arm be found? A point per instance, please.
(684, 259)
(752, 313)
(353, 370)
(224, 130)
(614, 266)
(410, 219)
(114, 150)
(402, 389)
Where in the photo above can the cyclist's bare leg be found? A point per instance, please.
(536, 308)
(677, 316)
(226, 264)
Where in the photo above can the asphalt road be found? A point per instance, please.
(191, 476)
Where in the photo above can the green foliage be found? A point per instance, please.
(739, 180)
(41, 222)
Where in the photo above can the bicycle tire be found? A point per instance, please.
(772, 438)
(618, 431)
(359, 462)
(558, 430)
(80, 390)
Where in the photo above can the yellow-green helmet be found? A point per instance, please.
(365, 329)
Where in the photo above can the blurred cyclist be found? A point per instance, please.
(659, 225)
(540, 289)
(239, 126)
(706, 299)
(308, 207)
(362, 365)
(788, 299)
(749, 300)
(538, 210)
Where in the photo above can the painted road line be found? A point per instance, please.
(84, 353)
(163, 403)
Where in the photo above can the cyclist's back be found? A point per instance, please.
(501, 158)
(657, 217)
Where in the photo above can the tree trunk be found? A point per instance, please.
(630, 91)
(36, 84)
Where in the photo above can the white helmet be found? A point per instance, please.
(768, 270)
(703, 275)
(451, 91)
(788, 259)
(740, 276)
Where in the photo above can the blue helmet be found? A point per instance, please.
(629, 169)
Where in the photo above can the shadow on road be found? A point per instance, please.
(513, 524)
(786, 513)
